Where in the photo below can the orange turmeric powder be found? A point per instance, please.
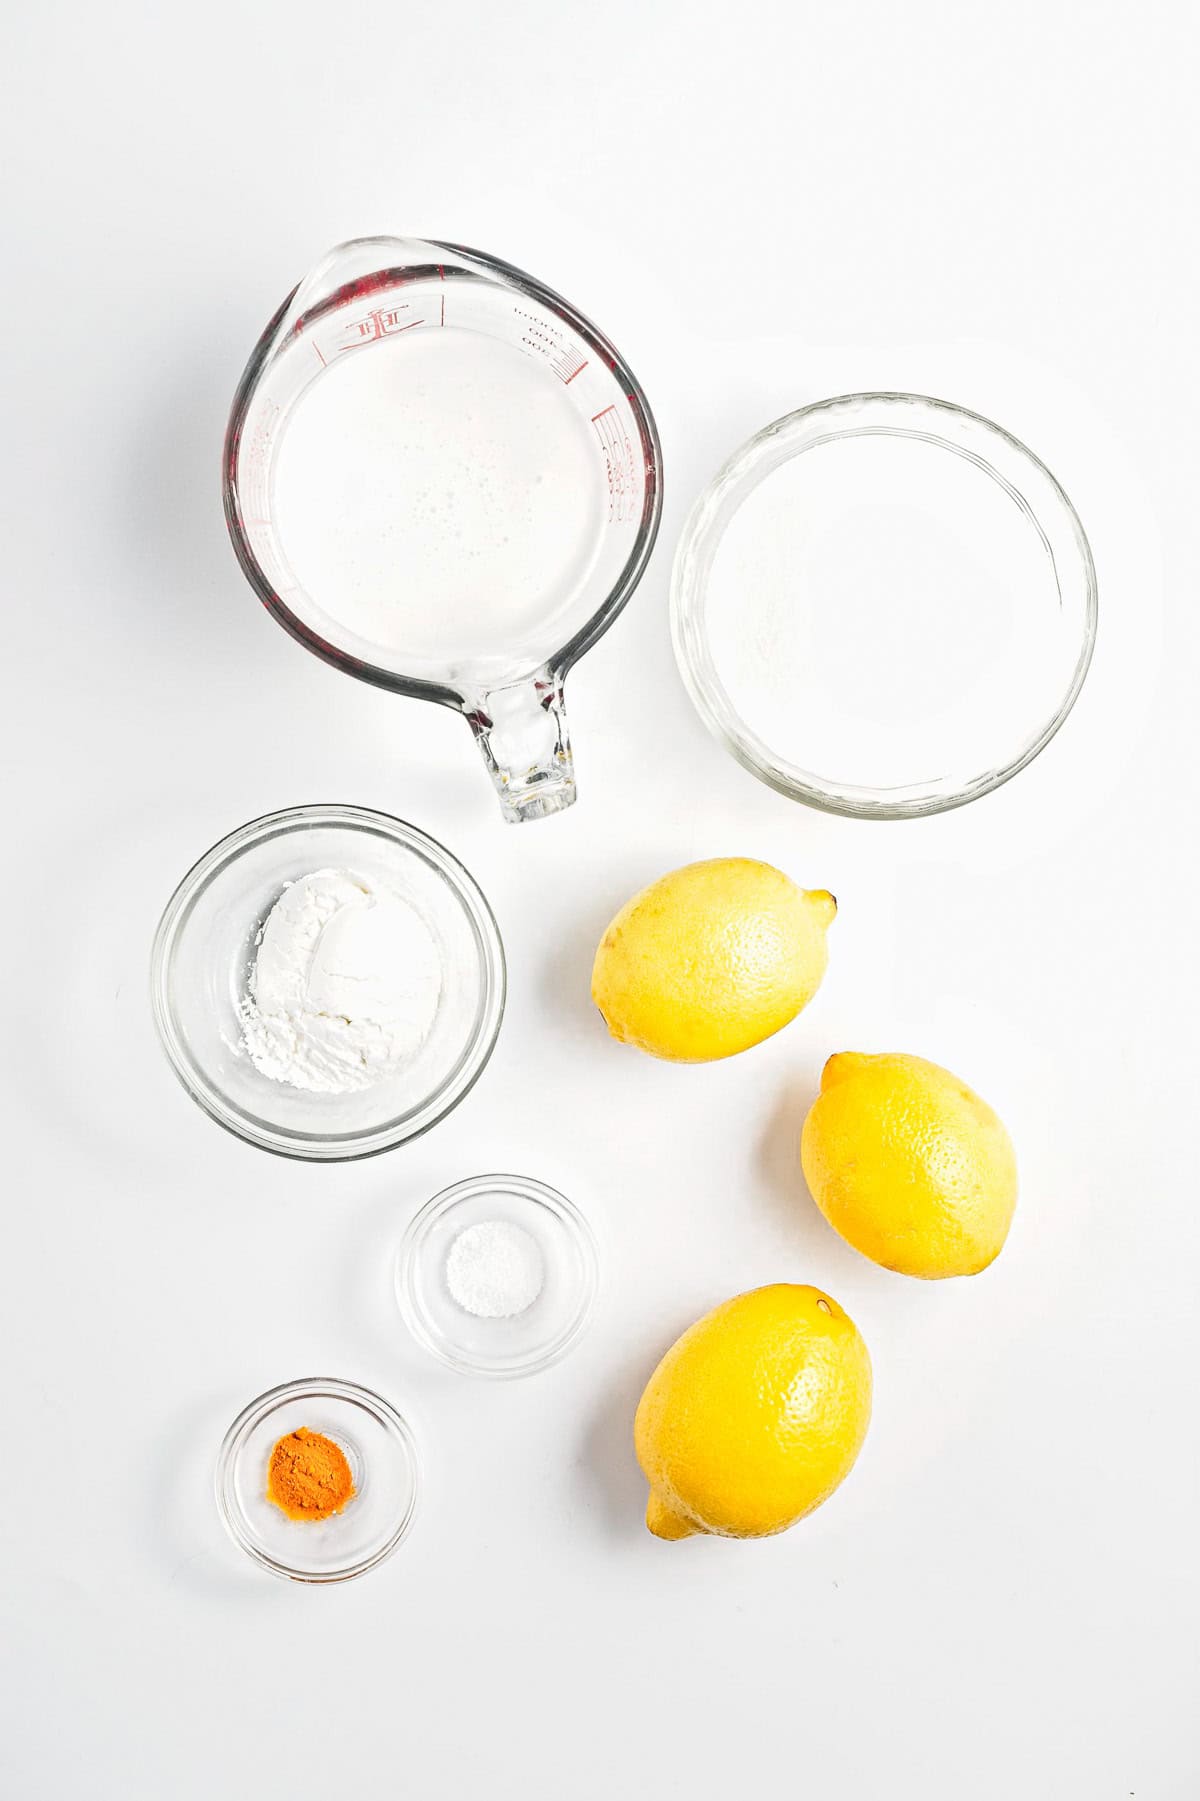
(308, 1476)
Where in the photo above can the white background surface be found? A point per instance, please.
(762, 206)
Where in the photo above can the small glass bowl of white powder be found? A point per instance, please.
(328, 982)
(497, 1276)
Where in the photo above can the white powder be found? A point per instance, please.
(345, 985)
(495, 1269)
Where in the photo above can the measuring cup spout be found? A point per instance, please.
(522, 731)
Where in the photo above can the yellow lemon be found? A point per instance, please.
(909, 1165)
(711, 959)
(754, 1416)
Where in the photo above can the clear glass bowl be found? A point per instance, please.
(883, 606)
(382, 1455)
(522, 1343)
(205, 947)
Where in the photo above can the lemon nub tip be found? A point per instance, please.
(825, 903)
(841, 1064)
(665, 1523)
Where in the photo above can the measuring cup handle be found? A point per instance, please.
(522, 732)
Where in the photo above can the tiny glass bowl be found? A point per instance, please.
(883, 606)
(206, 945)
(519, 1344)
(382, 1455)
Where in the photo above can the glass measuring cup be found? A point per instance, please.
(507, 460)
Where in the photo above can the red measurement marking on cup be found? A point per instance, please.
(566, 364)
(617, 451)
(542, 339)
(383, 322)
(443, 305)
(317, 348)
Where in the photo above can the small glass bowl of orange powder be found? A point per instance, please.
(318, 1480)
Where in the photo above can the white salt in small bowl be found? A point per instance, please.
(492, 1344)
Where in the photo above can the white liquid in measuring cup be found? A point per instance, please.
(438, 498)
